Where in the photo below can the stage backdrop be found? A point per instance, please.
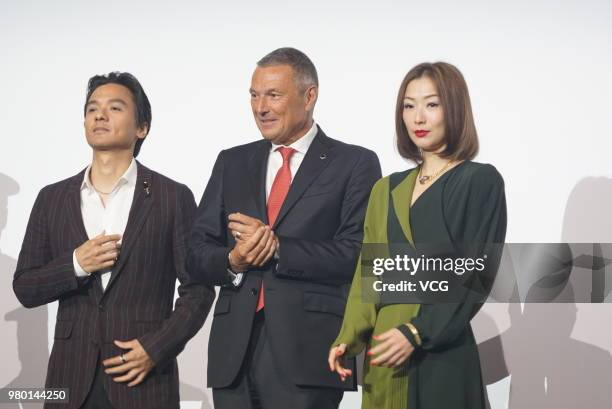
(539, 79)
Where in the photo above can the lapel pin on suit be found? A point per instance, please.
(146, 187)
(323, 156)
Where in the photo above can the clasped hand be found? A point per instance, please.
(255, 242)
(99, 253)
(392, 351)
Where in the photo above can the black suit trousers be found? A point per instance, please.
(262, 383)
(97, 397)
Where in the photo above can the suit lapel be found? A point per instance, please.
(73, 205)
(402, 195)
(318, 156)
(258, 165)
(141, 207)
(75, 219)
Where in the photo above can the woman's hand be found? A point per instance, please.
(335, 361)
(393, 350)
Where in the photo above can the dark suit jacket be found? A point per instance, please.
(138, 299)
(320, 228)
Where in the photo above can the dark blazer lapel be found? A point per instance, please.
(73, 205)
(75, 219)
(141, 207)
(258, 165)
(318, 156)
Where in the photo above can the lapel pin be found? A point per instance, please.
(323, 156)
(146, 187)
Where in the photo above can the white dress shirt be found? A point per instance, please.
(275, 159)
(111, 218)
(275, 162)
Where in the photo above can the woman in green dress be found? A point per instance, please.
(424, 356)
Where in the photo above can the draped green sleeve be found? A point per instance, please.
(360, 317)
(383, 388)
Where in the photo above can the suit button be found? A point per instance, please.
(253, 291)
(100, 307)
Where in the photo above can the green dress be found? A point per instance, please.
(464, 205)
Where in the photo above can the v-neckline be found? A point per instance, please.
(432, 185)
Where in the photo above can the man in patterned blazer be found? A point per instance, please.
(109, 244)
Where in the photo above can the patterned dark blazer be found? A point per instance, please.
(138, 301)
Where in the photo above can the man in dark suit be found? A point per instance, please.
(109, 244)
(279, 228)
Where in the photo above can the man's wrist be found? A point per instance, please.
(234, 276)
(230, 265)
(78, 270)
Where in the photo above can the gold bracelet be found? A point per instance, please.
(415, 332)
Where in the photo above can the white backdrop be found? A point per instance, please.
(539, 78)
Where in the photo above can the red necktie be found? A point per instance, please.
(278, 192)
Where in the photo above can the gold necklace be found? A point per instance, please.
(423, 179)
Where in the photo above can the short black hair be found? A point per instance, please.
(304, 69)
(143, 107)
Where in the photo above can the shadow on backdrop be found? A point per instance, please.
(24, 332)
(549, 368)
(192, 371)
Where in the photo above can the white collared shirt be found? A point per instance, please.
(110, 219)
(275, 159)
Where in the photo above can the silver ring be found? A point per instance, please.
(237, 235)
(122, 358)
